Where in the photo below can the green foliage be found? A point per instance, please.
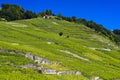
(35, 37)
(116, 31)
(60, 15)
(41, 14)
(81, 21)
(60, 33)
(12, 12)
(46, 12)
(3, 19)
(117, 36)
(98, 28)
(12, 59)
(29, 14)
(40, 37)
(73, 18)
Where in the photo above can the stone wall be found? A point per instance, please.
(40, 60)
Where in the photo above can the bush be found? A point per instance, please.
(61, 33)
(3, 19)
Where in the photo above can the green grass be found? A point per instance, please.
(34, 38)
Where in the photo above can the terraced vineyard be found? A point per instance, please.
(79, 49)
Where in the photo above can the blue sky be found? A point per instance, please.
(105, 12)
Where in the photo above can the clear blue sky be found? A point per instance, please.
(105, 12)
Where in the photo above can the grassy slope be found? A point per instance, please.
(33, 36)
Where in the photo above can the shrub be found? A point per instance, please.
(61, 33)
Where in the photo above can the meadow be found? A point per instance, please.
(84, 50)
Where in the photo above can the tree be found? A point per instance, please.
(29, 14)
(61, 33)
(41, 14)
(60, 15)
(48, 12)
(11, 12)
(117, 36)
(81, 21)
(73, 18)
(0, 12)
(116, 31)
(3, 19)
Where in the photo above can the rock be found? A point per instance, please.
(65, 72)
(3, 50)
(39, 68)
(14, 43)
(75, 55)
(50, 43)
(22, 53)
(61, 73)
(11, 64)
(37, 59)
(41, 60)
(50, 71)
(78, 73)
(29, 56)
(44, 61)
(56, 63)
(29, 66)
(96, 78)
(55, 23)
(12, 52)
(104, 49)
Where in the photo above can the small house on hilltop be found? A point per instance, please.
(46, 17)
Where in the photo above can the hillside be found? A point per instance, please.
(79, 54)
